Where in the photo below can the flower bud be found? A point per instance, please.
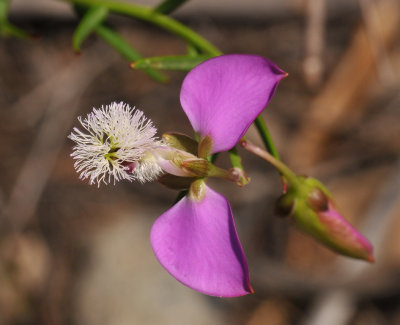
(312, 208)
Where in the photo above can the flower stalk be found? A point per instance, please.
(266, 136)
(286, 172)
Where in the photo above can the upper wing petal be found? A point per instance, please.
(223, 95)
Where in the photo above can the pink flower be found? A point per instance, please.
(196, 240)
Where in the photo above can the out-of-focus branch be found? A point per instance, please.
(313, 64)
(332, 308)
(346, 90)
(373, 23)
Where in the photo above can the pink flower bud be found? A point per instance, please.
(312, 208)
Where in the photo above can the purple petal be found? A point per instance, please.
(222, 96)
(197, 243)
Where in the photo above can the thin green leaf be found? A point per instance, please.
(184, 62)
(149, 15)
(4, 4)
(7, 29)
(192, 50)
(93, 18)
(117, 42)
(168, 6)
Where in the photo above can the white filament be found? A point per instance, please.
(116, 145)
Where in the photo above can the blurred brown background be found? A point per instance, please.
(71, 253)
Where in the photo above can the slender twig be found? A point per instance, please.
(279, 165)
(313, 65)
(373, 25)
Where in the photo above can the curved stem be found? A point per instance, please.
(279, 165)
(156, 18)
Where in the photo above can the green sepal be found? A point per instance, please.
(284, 205)
(205, 147)
(299, 202)
(91, 19)
(306, 218)
(182, 62)
(313, 183)
(181, 141)
(302, 199)
(197, 190)
(198, 167)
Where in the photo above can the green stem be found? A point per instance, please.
(4, 6)
(266, 136)
(269, 143)
(235, 158)
(149, 15)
